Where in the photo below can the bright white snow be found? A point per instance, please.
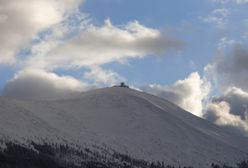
(126, 120)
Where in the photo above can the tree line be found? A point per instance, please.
(64, 156)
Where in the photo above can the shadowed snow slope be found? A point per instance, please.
(128, 121)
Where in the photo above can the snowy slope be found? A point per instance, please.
(142, 125)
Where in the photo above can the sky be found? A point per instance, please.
(193, 53)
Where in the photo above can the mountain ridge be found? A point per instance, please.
(129, 121)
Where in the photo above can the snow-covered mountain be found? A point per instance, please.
(125, 120)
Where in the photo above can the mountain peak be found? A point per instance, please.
(126, 120)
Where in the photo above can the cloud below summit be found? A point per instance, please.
(230, 110)
(40, 85)
(229, 74)
(189, 93)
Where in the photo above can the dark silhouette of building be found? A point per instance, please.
(122, 84)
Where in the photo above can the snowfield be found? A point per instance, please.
(128, 121)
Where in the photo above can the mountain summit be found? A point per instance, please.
(124, 120)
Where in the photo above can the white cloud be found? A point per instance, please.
(21, 20)
(102, 77)
(97, 45)
(217, 17)
(230, 110)
(230, 70)
(240, 2)
(221, 12)
(224, 42)
(188, 93)
(38, 84)
(220, 1)
(237, 99)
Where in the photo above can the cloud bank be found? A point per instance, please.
(40, 85)
(230, 69)
(20, 21)
(188, 93)
(230, 111)
(226, 76)
(98, 45)
(229, 74)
